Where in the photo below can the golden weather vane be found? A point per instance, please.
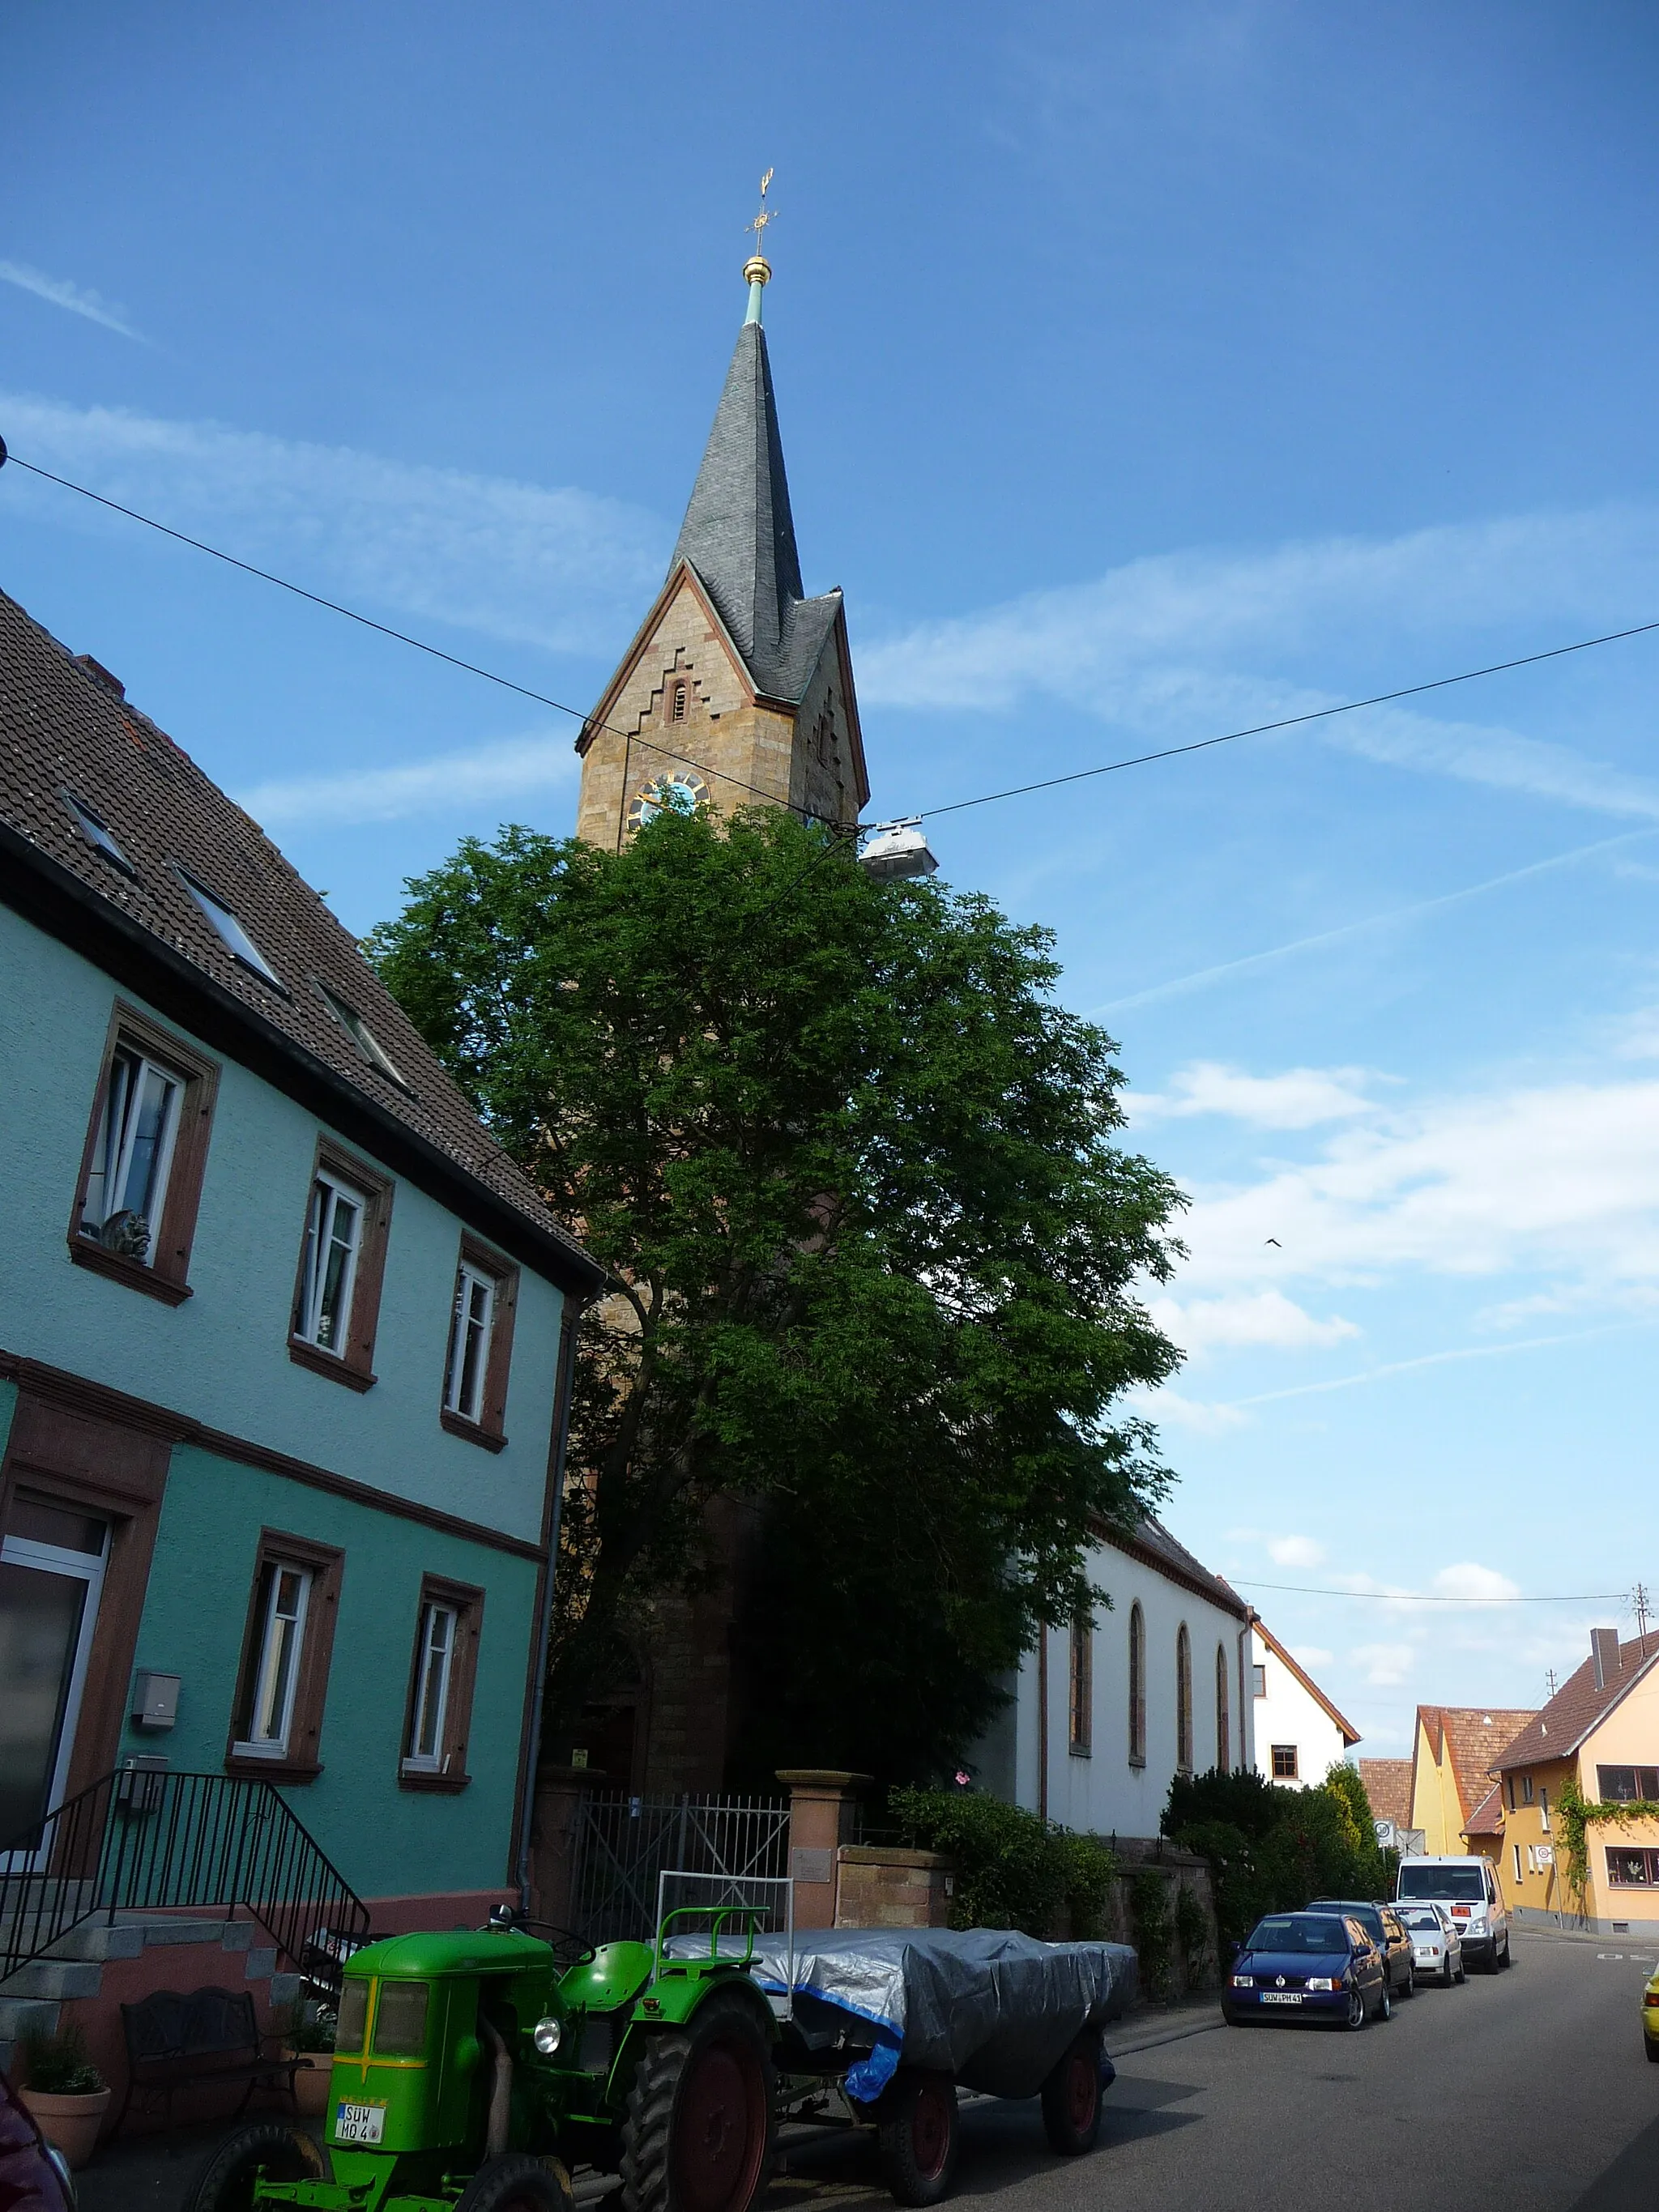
(767, 215)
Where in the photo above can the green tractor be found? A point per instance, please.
(470, 2072)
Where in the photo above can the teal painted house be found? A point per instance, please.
(283, 1336)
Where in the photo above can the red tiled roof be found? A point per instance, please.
(65, 727)
(1471, 1736)
(1573, 1712)
(1487, 1818)
(1389, 1785)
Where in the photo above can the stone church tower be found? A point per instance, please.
(737, 690)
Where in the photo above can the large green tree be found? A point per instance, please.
(875, 1251)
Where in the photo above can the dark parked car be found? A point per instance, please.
(1382, 1926)
(31, 2178)
(1320, 1966)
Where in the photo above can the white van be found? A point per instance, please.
(1469, 1889)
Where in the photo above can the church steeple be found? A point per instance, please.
(794, 736)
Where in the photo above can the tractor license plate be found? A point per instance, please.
(1281, 1996)
(359, 2123)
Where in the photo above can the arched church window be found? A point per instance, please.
(1184, 1699)
(1224, 1734)
(676, 708)
(1082, 1700)
(1137, 1686)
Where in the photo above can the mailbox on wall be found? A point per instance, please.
(155, 1699)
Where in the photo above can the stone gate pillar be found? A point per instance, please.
(822, 1803)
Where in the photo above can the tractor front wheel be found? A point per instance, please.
(698, 2136)
(229, 2182)
(916, 2133)
(515, 2182)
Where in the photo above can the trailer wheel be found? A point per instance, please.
(515, 2182)
(1070, 2098)
(917, 2137)
(227, 2183)
(698, 2136)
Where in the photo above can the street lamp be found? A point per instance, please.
(897, 852)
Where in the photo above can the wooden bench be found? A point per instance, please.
(174, 2042)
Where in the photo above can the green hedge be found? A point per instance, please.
(1271, 1848)
(1013, 1869)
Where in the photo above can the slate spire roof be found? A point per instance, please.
(738, 534)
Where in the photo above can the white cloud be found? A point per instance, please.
(1262, 1317)
(559, 568)
(1470, 1580)
(1562, 1178)
(441, 784)
(78, 299)
(1311, 1655)
(1296, 1552)
(1299, 1099)
(1385, 1665)
(1170, 1410)
(1197, 643)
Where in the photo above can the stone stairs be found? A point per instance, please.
(72, 1974)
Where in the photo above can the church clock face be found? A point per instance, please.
(684, 792)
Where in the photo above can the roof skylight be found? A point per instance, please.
(236, 939)
(96, 833)
(368, 1045)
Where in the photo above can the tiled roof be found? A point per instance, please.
(1573, 1712)
(1471, 1736)
(1487, 1818)
(1389, 1785)
(1350, 1733)
(65, 727)
(1151, 1542)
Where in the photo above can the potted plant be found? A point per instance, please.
(309, 2033)
(67, 2094)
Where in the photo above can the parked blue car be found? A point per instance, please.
(1308, 1966)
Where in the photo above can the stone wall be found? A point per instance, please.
(882, 1886)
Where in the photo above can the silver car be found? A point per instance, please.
(1437, 1949)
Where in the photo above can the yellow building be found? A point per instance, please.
(1452, 1756)
(1600, 1730)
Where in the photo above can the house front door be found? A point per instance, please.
(51, 1573)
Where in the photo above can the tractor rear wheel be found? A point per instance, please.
(917, 2134)
(1070, 2098)
(227, 2181)
(698, 2136)
(515, 2182)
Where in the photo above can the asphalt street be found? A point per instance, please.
(1528, 2091)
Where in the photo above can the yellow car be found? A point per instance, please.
(1650, 2017)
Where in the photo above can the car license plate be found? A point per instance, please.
(1281, 1996)
(359, 2123)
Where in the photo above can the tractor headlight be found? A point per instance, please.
(547, 2035)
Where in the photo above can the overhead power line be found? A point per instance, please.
(403, 637)
(1440, 1597)
(950, 806)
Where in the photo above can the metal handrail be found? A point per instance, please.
(143, 1841)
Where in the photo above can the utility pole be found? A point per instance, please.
(1550, 1678)
(1639, 1600)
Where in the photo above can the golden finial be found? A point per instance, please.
(757, 268)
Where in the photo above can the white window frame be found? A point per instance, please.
(1516, 1847)
(322, 1210)
(265, 1657)
(429, 1713)
(469, 1279)
(113, 1179)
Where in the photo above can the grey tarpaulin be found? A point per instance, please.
(992, 2008)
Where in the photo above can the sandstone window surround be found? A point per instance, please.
(337, 1292)
(1224, 1734)
(140, 1185)
(1081, 1682)
(442, 1674)
(282, 1678)
(1184, 1699)
(1137, 1686)
(480, 1355)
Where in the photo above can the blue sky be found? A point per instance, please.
(1142, 372)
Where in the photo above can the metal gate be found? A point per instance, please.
(622, 1843)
